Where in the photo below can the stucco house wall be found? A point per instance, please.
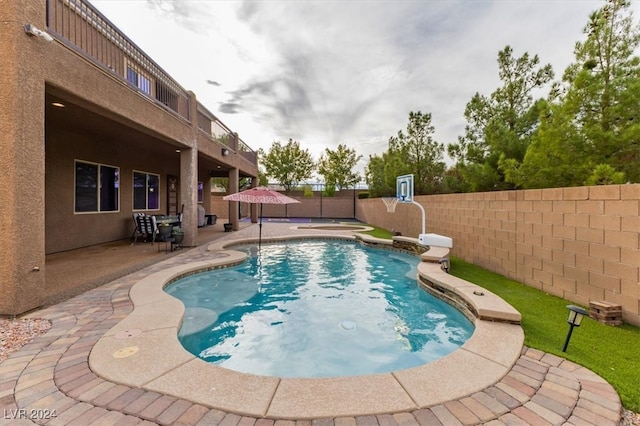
(105, 120)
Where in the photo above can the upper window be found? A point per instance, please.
(97, 187)
(136, 78)
(146, 188)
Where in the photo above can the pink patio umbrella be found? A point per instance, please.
(260, 195)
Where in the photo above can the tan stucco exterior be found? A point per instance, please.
(104, 121)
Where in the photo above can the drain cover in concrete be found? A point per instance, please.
(125, 352)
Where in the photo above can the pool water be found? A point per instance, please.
(316, 308)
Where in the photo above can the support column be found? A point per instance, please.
(189, 194)
(234, 207)
(254, 207)
(22, 163)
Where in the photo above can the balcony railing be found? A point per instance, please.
(82, 27)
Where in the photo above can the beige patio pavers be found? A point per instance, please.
(529, 391)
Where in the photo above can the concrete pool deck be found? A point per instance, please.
(105, 362)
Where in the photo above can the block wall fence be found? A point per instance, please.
(582, 243)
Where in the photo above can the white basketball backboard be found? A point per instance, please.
(404, 188)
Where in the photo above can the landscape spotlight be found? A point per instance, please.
(575, 318)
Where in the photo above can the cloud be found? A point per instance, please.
(331, 72)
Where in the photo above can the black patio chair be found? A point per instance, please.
(138, 231)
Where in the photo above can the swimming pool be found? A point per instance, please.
(316, 308)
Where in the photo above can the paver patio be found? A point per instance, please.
(51, 375)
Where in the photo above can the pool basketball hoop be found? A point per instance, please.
(404, 188)
(391, 203)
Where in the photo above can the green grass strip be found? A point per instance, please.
(611, 352)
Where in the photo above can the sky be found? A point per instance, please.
(329, 72)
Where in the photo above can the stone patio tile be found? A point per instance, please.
(386, 420)
(109, 418)
(526, 380)
(482, 412)
(322, 422)
(607, 413)
(535, 375)
(560, 390)
(105, 398)
(88, 417)
(230, 420)
(462, 413)
(553, 405)
(404, 419)
(125, 399)
(603, 389)
(546, 391)
(78, 382)
(338, 396)
(366, 421)
(534, 354)
(76, 392)
(7, 387)
(513, 393)
(265, 422)
(66, 375)
(174, 411)
(140, 403)
(344, 421)
(192, 415)
(594, 418)
(96, 391)
(599, 400)
(566, 382)
(27, 381)
(545, 413)
(491, 403)
(533, 364)
(284, 423)
(153, 410)
(551, 359)
(55, 401)
(213, 417)
(34, 393)
(302, 422)
(502, 397)
(426, 417)
(70, 414)
(512, 420)
(530, 417)
(457, 375)
(247, 421)
(445, 416)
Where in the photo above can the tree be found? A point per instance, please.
(287, 164)
(594, 120)
(422, 155)
(337, 167)
(381, 172)
(501, 125)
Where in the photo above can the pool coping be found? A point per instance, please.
(143, 351)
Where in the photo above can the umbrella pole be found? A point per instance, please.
(260, 228)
